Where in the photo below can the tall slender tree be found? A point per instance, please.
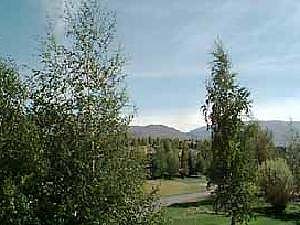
(184, 159)
(226, 105)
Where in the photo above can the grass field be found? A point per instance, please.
(176, 186)
(201, 214)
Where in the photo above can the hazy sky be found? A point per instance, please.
(168, 42)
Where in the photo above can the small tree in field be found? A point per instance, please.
(260, 142)
(276, 180)
(80, 106)
(226, 104)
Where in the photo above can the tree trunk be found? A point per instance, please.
(233, 222)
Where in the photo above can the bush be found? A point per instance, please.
(276, 180)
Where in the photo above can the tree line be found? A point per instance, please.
(169, 158)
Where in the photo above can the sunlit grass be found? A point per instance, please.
(176, 186)
(202, 214)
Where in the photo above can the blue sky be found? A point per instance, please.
(168, 42)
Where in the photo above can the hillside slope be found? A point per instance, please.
(279, 129)
(158, 131)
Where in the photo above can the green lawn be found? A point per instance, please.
(202, 214)
(176, 186)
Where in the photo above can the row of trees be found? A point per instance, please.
(64, 153)
(169, 158)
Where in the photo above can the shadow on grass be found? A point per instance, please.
(207, 202)
(269, 211)
(292, 214)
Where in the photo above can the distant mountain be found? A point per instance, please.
(279, 129)
(200, 133)
(158, 131)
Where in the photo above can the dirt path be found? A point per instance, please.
(184, 198)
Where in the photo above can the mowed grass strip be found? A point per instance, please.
(176, 186)
(202, 214)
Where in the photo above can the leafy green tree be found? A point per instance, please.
(276, 181)
(173, 163)
(165, 160)
(226, 105)
(19, 151)
(79, 103)
(172, 159)
(160, 162)
(263, 142)
(175, 143)
(192, 161)
(259, 142)
(293, 156)
(204, 156)
(200, 164)
(184, 159)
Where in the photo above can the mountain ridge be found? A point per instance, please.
(280, 130)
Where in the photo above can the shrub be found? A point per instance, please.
(276, 180)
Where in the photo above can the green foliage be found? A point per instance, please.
(200, 165)
(21, 169)
(204, 156)
(78, 104)
(169, 158)
(66, 158)
(165, 160)
(293, 157)
(226, 105)
(19, 151)
(260, 141)
(173, 163)
(276, 180)
(184, 159)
